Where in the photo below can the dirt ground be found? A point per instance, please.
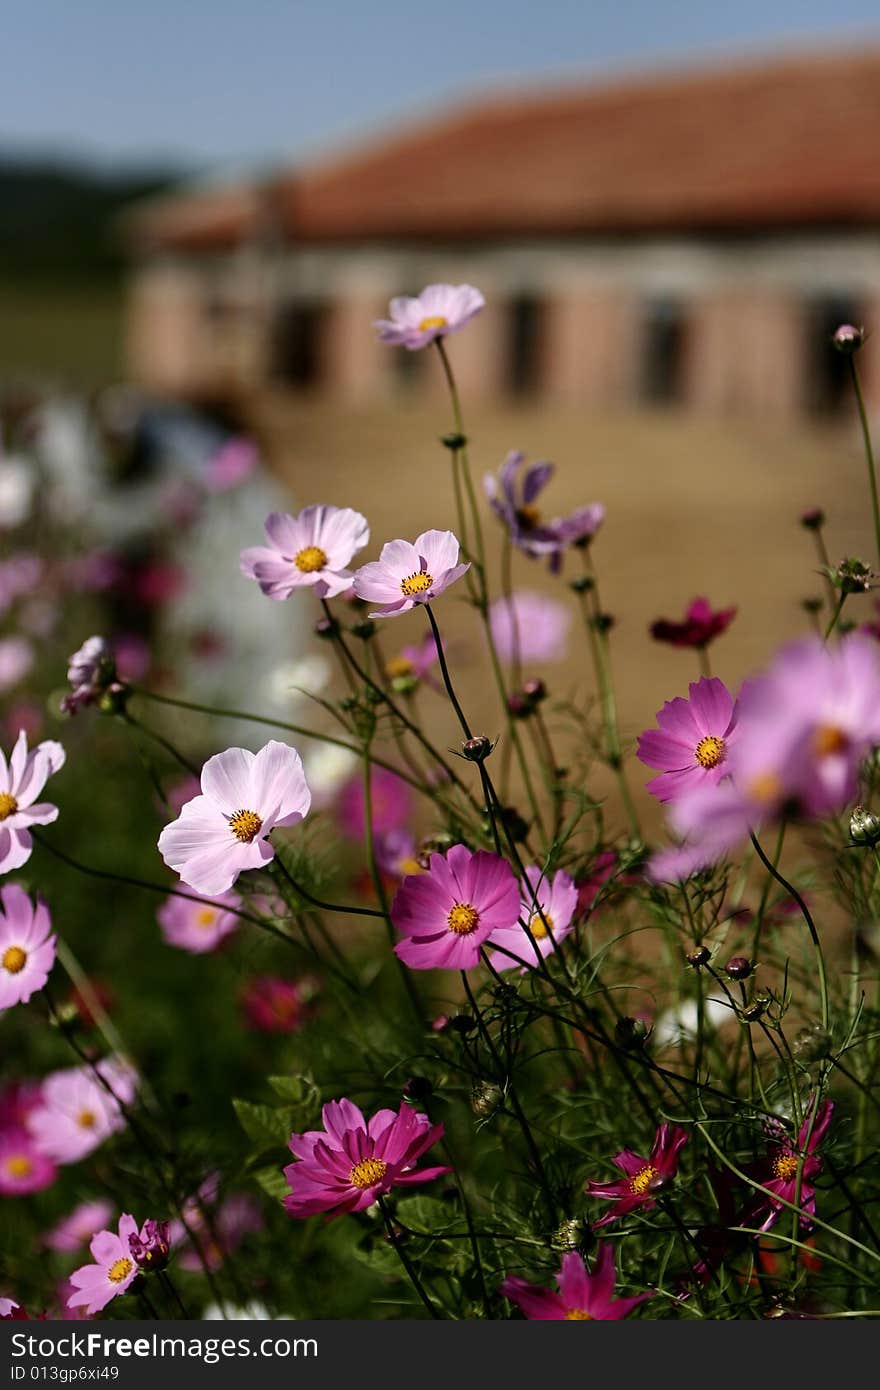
(693, 507)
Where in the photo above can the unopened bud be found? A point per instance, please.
(864, 827)
(813, 519)
(631, 1032)
(535, 690)
(700, 955)
(453, 441)
(486, 1097)
(151, 1248)
(811, 1044)
(569, 1234)
(739, 968)
(518, 706)
(848, 338)
(853, 576)
(477, 750)
(418, 1088)
(582, 585)
(756, 1009)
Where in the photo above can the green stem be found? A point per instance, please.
(869, 452)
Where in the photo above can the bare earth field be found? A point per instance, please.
(693, 507)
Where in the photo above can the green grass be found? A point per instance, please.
(71, 335)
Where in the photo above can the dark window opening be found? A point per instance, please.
(524, 346)
(663, 353)
(829, 388)
(297, 349)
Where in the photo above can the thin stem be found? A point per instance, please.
(405, 1260)
(444, 671)
(869, 452)
(811, 926)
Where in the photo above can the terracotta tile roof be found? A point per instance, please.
(769, 144)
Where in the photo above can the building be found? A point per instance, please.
(685, 238)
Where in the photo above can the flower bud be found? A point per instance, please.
(739, 968)
(535, 690)
(582, 584)
(486, 1098)
(477, 750)
(631, 1032)
(326, 627)
(853, 576)
(453, 441)
(604, 622)
(813, 519)
(811, 605)
(756, 1009)
(364, 629)
(518, 706)
(418, 1088)
(700, 955)
(864, 827)
(150, 1249)
(463, 1024)
(811, 1044)
(569, 1235)
(848, 338)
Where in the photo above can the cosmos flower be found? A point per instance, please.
(700, 626)
(310, 550)
(582, 1296)
(529, 627)
(692, 744)
(406, 574)
(397, 853)
(224, 831)
(232, 464)
(413, 663)
(27, 949)
(198, 927)
(438, 311)
(391, 804)
(273, 1005)
(548, 906)
(90, 670)
(350, 1163)
(21, 781)
(445, 914)
(113, 1271)
(643, 1177)
(513, 497)
(16, 659)
(77, 1229)
(778, 1171)
(78, 1110)
(23, 1169)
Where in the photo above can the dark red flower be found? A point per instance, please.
(778, 1171)
(700, 626)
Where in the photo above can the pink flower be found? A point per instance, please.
(513, 499)
(436, 312)
(779, 1170)
(643, 1177)
(445, 914)
(77, 1229)
(23, 1169)
(16, 659)
(77, 1111)
(350, 1163)
(198, 927)
(406, 574)
(113, 1271)
(529, 626)
(132, 655)
(548, 907)
(27, 950)
(397, 853)
(414, 662)
(91, 669)
(391, 803)
(273, 1005)
(231, 464)
(692, 745)
(21, 782)
(700, 626)
(582, 1297)
(224, 831)
(312, 549)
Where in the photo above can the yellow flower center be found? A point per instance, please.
(86, 1119)
(19, 1166)
(433, 321)
(541, 927)
(785, 1167)
(206, 917)
(463, 919)
(828, 739)
(310, 559)
(765, 788)
(399, 666)
(119, 1270)
(367, 1172)
(643, 1179)
(709, 752)
(14, 959)
(410, 866)
(416, 584)
(245, 826)
(578, 1315)
(8, 805)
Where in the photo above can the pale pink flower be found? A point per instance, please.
(223, 832)
(77, 1111)
(23, 1169)
(16, 659)
(548, 905)
(312, 549)
(198, 927)
(231, 464)
(438, 311)
(21, 781)
(75, 1230)
(114, 1268)
(27, 948)
(406, 574)
(529, 627)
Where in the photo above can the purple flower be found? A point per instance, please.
(438, 311)
(224, 831)
(151, 1246)
(391, 804)
(548, 906)
(112, 1273)
(406, 574)
(643, 1177)
(582, 1296)
(512, 498)
(692, 745)
(21, 782)
(445, 914)
(779, 1170)
(529, 627)
(90, 671)
(308, 550)
(700, 626)
(350, 1163)
(27, 948)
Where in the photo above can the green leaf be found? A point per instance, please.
(263, 1123)
(272, 1181)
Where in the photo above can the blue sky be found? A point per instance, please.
(221, 83)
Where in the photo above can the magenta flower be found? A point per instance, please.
(529, 627)
(77, 1229)
(414, 662)
(223, 832)
(273, 1005)
(349, 1164)
(700, 626)
(397, 853)
(113, 1271)
(308, 550)
(77, 1111)
(692, 744)
(23, 1169)
(406, 574)
(21, 782)
(582, 1297)
(151, 1245)
(513, 499)
(438, 311)
(643, 1177)
(778, 1171)
(390, 798)
(445, 914)
(27, 949)
(548, 907)
(198, 927)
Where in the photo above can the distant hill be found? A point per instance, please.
(57, 218)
